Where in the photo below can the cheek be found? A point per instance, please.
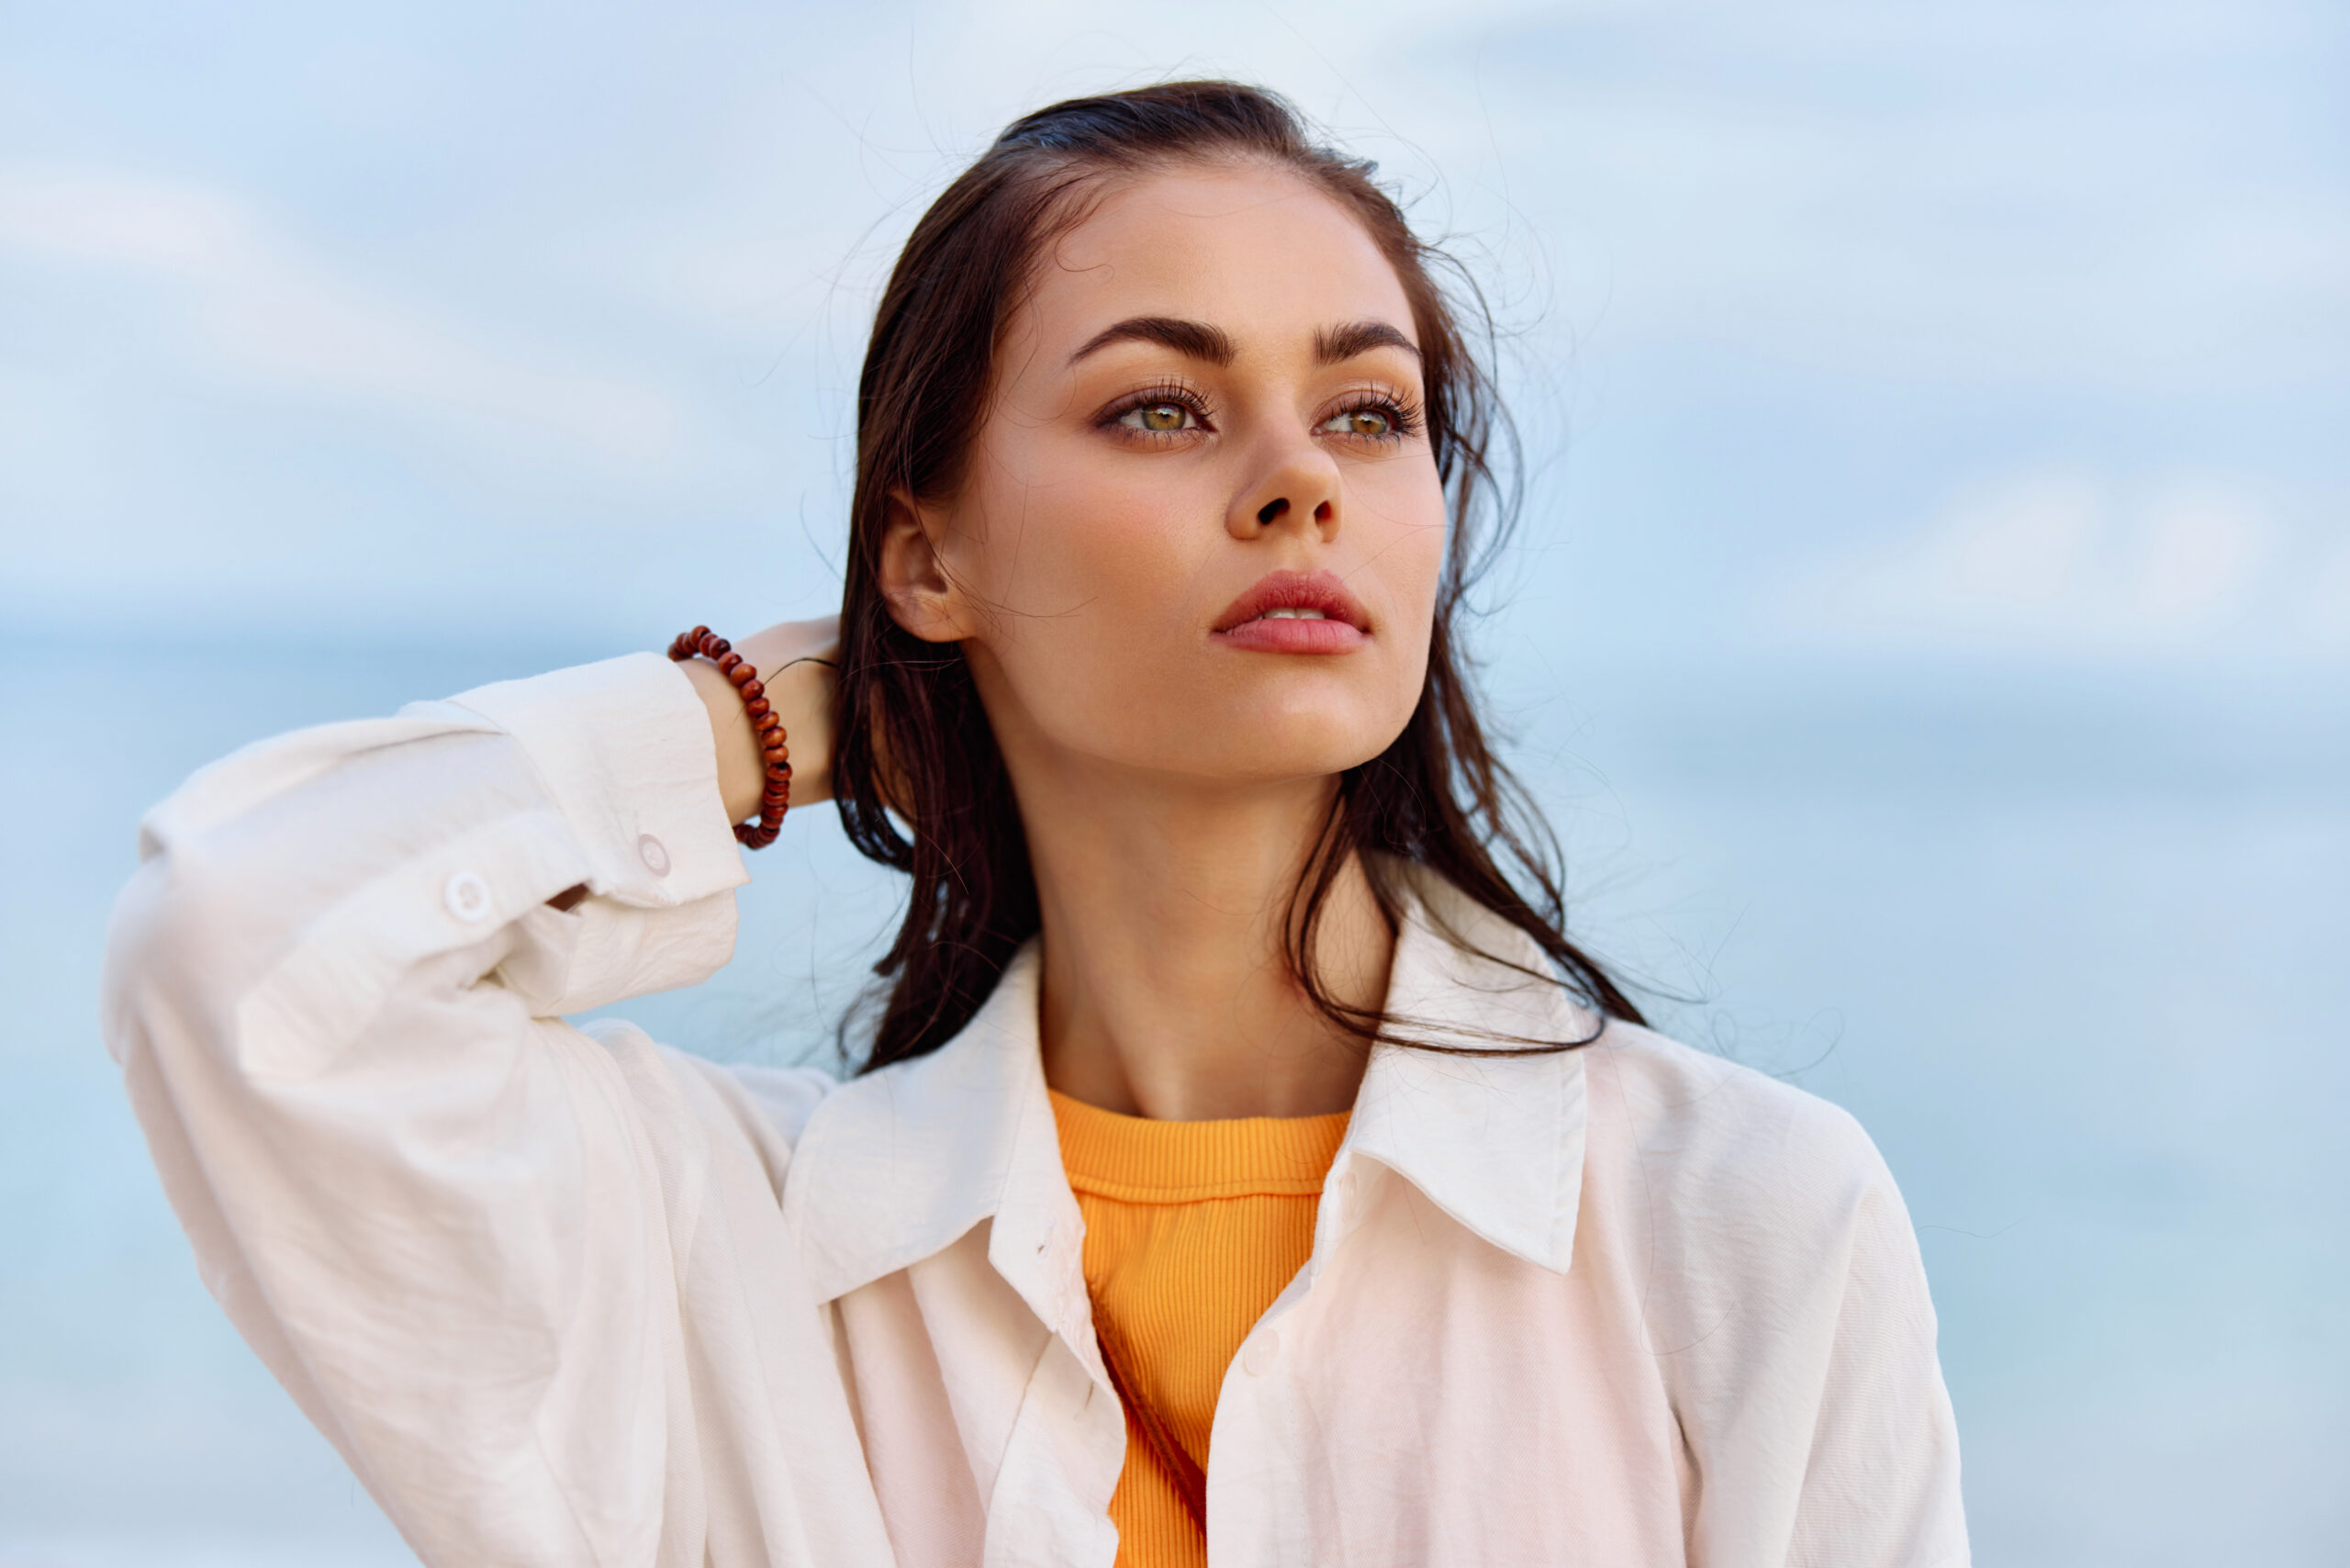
(1087, 563)
(1400, 525)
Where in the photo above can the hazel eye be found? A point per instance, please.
(1373, 423)
(1160, 418)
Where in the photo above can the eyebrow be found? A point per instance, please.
(1198, 340)
(1333, 345)
(1192, 340)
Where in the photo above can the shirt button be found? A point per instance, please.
(467, 897)
(655, 856)
(1262, 1351)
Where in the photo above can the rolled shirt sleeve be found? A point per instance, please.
(456, 1228)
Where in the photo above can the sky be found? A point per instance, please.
(1929, 623)
(2008, 329)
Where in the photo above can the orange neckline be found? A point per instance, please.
(1137, 1159)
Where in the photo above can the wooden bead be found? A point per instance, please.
(774, 755)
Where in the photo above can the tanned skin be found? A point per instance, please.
(1212, 381)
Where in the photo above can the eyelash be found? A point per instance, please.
(1402, 413)
(1174, 392)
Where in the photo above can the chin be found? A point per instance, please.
(1295, 741)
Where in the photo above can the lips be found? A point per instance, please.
(1295, 612)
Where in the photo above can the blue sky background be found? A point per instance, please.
(1932, 624)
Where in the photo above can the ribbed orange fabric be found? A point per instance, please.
(1191, 1228)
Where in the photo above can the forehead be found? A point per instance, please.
(1258, 251)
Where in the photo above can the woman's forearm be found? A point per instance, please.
(799, 687)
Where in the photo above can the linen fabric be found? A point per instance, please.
(559, 1296)
(1192, 1230)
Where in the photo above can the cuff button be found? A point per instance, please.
(655, 856)
(467, 897)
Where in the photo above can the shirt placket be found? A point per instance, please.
(1257, 1514)
(1050, 1506)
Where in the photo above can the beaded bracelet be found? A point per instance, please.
(766, 723)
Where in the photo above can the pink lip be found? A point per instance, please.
(1345, 625)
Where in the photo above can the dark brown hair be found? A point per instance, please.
(1438, 797)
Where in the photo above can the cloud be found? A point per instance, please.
(2057, 560)
(262, 311)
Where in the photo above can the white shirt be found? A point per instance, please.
(565, 1296)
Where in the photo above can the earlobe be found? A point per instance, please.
(923, 599)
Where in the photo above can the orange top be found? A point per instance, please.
(1191, 1228)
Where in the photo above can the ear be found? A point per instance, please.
(923, 597)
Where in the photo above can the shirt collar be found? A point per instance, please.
(1496, 1142)
(898, 1165)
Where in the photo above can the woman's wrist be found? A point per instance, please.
(800, 687)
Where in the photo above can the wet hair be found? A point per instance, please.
(1437, 798)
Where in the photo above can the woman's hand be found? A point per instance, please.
(802, 691)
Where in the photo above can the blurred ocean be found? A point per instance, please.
(2071, 948)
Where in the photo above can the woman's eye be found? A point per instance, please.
(1369, 423)
(1160, 418)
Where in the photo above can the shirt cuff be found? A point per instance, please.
(624, 752)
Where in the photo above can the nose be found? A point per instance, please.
(1297, 487)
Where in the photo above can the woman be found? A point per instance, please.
(1244, 1163)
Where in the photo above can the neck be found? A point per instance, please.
(1166, 991)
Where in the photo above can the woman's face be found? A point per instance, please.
(1201, 530)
